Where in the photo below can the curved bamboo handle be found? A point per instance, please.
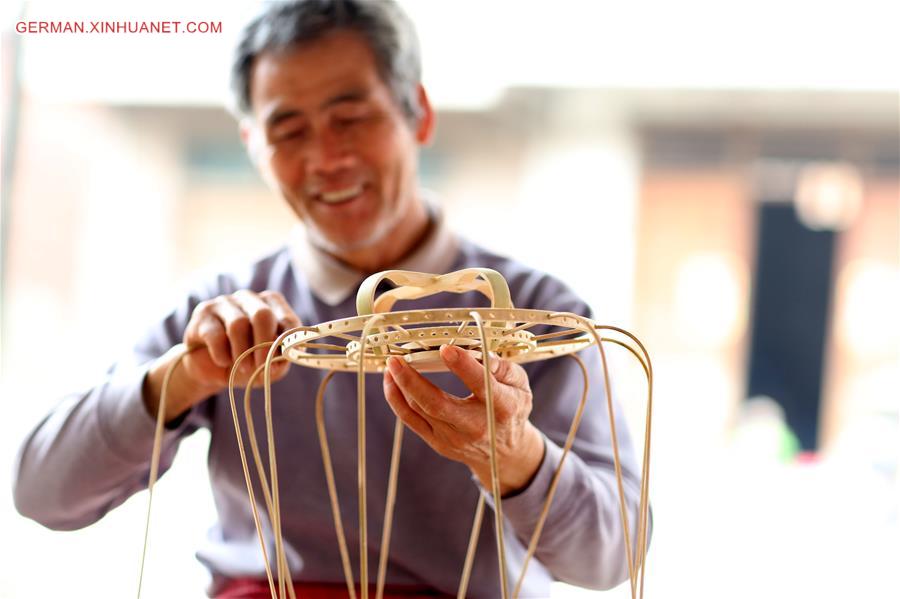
(415, 285)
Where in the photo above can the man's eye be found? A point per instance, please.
(290, 134)
(347, 121)
(350, 117)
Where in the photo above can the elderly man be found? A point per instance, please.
(332, 112)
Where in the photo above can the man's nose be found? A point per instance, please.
(328, 155)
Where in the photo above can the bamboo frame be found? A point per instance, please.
(415, 336)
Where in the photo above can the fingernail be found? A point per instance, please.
(448, 352)
(394, 365)
(494, 362)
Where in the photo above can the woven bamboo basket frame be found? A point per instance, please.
(362, 344)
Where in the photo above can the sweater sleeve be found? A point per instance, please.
(92, 451)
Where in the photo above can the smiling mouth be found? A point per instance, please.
(339, 196)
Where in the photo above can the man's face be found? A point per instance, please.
(329, 135)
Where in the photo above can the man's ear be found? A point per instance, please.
(425, 124)
(252, 139)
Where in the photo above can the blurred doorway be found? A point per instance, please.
(791, 297)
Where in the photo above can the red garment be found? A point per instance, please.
(255, 588)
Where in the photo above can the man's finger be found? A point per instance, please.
(236, 323)
(210, 332)
(404, 411)
(469, 370)
(206, 329)
(509, 373)
(287, 318)
(263, 321)
(276, 372)
(428, 397)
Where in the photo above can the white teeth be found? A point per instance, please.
(334, 197)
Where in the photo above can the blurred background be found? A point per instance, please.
(722, 179)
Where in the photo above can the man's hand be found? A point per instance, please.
(457, 428)
(222, 329)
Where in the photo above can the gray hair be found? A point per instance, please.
(285, 24)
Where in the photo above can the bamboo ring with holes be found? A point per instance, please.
(363, 343)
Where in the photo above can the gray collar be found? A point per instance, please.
(333, 281)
